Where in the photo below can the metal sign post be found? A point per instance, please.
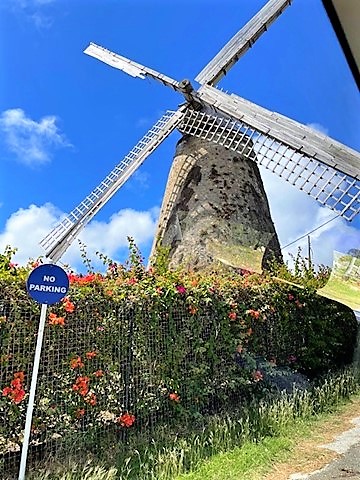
(46, 284)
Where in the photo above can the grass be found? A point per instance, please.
(241, 445)
(275, 458)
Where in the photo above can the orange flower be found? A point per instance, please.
(76, 363)
(55, 320)
(90, 355)
(68, 305)
(98, 373)
(81, 386)
(253, 313)
(232, 315)
(192, 309)
(91, 399)
(174, 397)
(20, 376)
(126, 420)
(80, 412)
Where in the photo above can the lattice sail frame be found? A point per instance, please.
(328, 186)
(60, 238)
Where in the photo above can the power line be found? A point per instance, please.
(311, 231)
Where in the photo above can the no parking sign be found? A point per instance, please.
(47, 284)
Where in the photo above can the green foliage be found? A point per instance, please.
(134, 349)
(252, 435)
(303, 273)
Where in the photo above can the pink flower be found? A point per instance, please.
(181, 289)
(257, 376)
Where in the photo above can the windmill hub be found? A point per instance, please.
(185, 86)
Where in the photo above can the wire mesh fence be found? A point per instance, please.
(106, 370)
(118, 372)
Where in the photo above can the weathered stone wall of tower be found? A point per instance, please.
(215, 209)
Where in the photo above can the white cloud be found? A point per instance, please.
(320, 128)
(25, 228)
(32, 142)
(295, 214)
(36, 11)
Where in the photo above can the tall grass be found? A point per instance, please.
(169, 454)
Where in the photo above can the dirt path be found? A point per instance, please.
(311, 454)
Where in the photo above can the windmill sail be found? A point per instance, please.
(61, 237)
(129, 66)
(291, 158)
(241, 42)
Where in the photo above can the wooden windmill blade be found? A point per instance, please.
(240, 43)
(63, 234)
(129, 66)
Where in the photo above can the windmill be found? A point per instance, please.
(321, 167)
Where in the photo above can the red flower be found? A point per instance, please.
(132, 281)
(18, 396)
(55, 320)
(15, 392)
(81, 386)
(98, 373)
(253, 313)
(76, 363)
(232, 315)
(126, 420)
(90, 355)
(290, 297)
(174, 397)
(83, 279)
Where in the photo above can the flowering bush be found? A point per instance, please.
(133, 347)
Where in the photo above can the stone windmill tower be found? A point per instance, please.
(215, 207)
(215, 210)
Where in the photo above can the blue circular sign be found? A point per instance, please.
(47, 284)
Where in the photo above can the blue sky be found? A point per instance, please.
(66, 119)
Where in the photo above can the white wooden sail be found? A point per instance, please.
(129, 66)
(240, 43)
